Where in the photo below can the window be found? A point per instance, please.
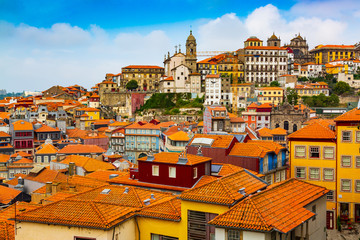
(155, 170)
(357, 185)
(345, 161)
(233, 235)
(314, 152)
(195, 173)
(357, 136)
(346, 136)
(84, 238)
(329, 152)
(314, 173)
(300, 172)
(345, 185)
(300, 151)
(330, 196)
(328, 174)
(172, 172)
(357, 161)
(162, 237)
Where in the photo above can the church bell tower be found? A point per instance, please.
(190, 58)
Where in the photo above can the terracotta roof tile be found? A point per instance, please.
(46, 175)
(9, 212)
(179, 136)
(22, 125)
(87, 163)
(350, 116)
(46, 128)
(7, 231)
(4, 158)
(280, 207)
(255, 148)
(166, 209)
(4, 134)
(79, 148)
(7, 194)
(204, 179)
(225, 190)
(143, 66)
(309, 131)
(46, 149)
(220, 141)
(173, 158)
(104, 175)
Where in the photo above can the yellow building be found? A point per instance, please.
(348, 165)
(85, 116)
(327, 53)
(271, 95)
(313, 159)
(336, 68)
(312, 89)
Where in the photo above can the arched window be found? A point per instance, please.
(294, 128)
(286, 125)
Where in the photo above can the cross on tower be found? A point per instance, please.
(179, 47)
(176, 48)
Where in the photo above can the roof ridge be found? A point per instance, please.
(258, 211)
(136, 195)
(227, 189)
(98, 212)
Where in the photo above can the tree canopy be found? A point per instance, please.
(274, 84)
(341, 88)
(132, 84)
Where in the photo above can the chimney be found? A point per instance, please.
(20, 181)
(55, 187)
(152, 196)
(147, 202)
(71, 168)
(48, 188)
(126, 190)
(72, 188)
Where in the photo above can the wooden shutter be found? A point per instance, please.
(196, 225)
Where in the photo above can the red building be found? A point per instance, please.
(23, 136)
(257, 115)
(175, 169)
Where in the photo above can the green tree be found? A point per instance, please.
(303, 79)
(132, 84)
(341, 88)
(274, 84)
(292, 96)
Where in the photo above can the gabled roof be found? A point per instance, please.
(46, 128)
(166, 209)
(350, 116)
(138, 125)
(4, 158)
(70, 212)
(7, 194)
(173, 158)
(45, 175)
(46, 149)
(22, 125)
(80, 148)
(281, 207)
(179, 136)
(313, 131)
(255, 148)
(87, 163)
(9, 212)
(4, 134)
(219, 141)
(225, 190)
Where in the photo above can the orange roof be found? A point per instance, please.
(265, 132)
(46, 128)
(271, 88)
(280, 207)
(169, 79)
(9, 212)
(143, 66)
(204, 179)
(166, 124)
(225, 190)
(4, 158)
(14, 181)
(7, 231)
(145, 126)
(104, 175)
(22, 125)
(46, 175)
(278, 131)
(23, 160)
(88, 164)
(201, 124)
(46, 149)
(7, 194)
(79, 148)
(165, 209)
(322, 132)
(179, 136)
(255, 148)
(220, 141)
(213, 76)
(236, 120)
(76, 133)
(350, 116)
(98, 215)
(22, 154)
(173, 158)
(4, 134)
(334, 46)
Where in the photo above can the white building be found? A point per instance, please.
(212, 89)
(265, 64)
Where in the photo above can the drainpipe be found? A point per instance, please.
(137, 224)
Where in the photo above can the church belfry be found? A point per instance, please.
(190, 58)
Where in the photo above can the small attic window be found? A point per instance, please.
(105, 191)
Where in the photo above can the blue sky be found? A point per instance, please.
(43, 43)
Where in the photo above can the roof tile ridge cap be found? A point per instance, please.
(326, 128)
(137, 195)
(307, 126)
(98, 212)
(258, 212)
(227, 190)
(196, 187)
